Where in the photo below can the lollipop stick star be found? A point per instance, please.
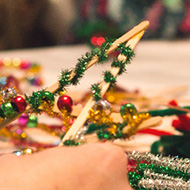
(133, 41)
(55, 87)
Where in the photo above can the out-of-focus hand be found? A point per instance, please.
(87, 167)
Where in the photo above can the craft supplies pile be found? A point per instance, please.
(111, 114)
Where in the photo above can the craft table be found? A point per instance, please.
(157, 67)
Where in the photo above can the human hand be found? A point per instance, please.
(87, 167)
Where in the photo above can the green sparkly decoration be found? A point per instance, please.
(95, 127)
(96, 92)
(164, 170)
(119, 133)
(1, 113)
(35, 101)
(102, 56)
(63, 80)
(168, 112)
(71, 143)
(102, 134)
(127, 51)
(134, 178)
(80, 67)
(48, 96)
(109, 78)
(119, 64)
(7, 109)
(82, 64)
(37, 98)
(128, 109)
(32, 121)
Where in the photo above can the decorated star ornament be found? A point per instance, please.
(44, 98)
(97, 121)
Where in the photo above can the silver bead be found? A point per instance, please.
(80, 134)
(8, 93)
(102, 105)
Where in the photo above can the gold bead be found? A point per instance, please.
(113, 129)
(7, 61)
(16, 62)
(23, 135)
(28, 151)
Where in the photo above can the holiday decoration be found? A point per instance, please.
(97, 120)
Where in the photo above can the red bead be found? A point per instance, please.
(24, 64)
(65, 102)
(20, 103)
(1, 63)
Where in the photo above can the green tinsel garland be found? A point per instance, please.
(37, 98)
(80, 67)
(65, 79)
(96, 92)
(108, 77)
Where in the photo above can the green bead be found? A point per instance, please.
(104, 135)
(109, 78)
(32, 121)
(46, 95)
(71, 143)
(1, 113)
(7, 109)
(128, 109)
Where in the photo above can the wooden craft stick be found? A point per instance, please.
(133, 32)
(81, 119)
(178, 108)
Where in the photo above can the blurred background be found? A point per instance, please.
(39, 23)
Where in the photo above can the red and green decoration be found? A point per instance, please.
(38, 98)
(12, 104)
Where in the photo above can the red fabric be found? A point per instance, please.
(183, 121)
(155, 132)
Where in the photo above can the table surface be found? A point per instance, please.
(157, 67)
(157, 64)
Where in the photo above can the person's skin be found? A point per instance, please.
(88, 167)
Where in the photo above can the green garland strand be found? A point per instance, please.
(96, 92)
(108, 77)
(71, 143)
(80, 67)
(37, 98)
(126, 50)
(103, 133)
(63, 80)
(168, 112)
(102, 56)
